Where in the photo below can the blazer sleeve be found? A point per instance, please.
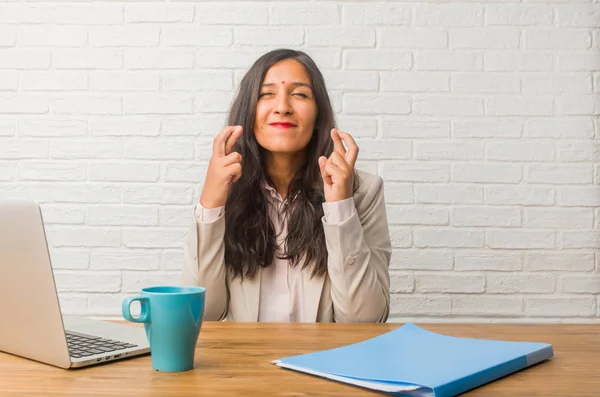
(204, 265)
(359, 252)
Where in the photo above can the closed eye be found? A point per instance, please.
(300, 94)
(262, 94)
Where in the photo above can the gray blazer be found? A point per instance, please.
(356, 288)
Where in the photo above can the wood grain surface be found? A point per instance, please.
(234, 359)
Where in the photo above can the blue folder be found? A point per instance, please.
(411, 361)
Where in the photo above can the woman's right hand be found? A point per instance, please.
(224, 168)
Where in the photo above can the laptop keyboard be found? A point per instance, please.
(81, 345)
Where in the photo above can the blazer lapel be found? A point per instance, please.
(252, 296)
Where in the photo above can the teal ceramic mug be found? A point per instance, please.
(172, 317)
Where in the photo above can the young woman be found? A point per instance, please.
(286, 229)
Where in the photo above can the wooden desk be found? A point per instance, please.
(233, 359)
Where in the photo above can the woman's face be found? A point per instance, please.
(286, 110)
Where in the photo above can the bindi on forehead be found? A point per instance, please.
(291, 83)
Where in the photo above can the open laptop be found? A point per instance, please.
(31, 323)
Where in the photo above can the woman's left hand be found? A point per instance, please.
(338, 170)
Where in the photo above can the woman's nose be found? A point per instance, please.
(283, 105)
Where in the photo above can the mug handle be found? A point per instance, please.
(145, 309)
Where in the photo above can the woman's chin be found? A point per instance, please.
(282, 149)
(283, 146)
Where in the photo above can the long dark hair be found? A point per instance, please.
(250, 240)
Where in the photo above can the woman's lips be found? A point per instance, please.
(282, 125)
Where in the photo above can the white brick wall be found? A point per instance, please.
(480, 117)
